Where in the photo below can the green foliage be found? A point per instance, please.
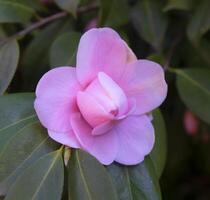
(150, 22)
(158, 154)
(136, 182)
(88, 179)
(69, 5)
(113, 15)
(64, 49)
(194, 89)
(11, 12)
(178, 5)
(9, 55)
(43, 178)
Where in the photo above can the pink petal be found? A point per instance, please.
(102, 128)
(100, 49)
(91, 110)
(103, 147)
(56, 98)
(144, 80)
(68, 139)
(114, 92)
(136, 139)
(131, 57)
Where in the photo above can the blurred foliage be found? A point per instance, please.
(38, 35)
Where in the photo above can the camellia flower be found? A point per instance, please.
(102, 105)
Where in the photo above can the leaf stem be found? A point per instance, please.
(49, 19)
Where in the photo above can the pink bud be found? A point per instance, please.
(191, 123)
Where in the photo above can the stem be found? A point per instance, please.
(39, 24)
(52, 18)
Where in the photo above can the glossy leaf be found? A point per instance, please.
(150, 22)
(88, 179)
(9, 55)
(178, 5)
(21, 150)
(64, 50)
(111, 14)
(68, 5)
(200, 21)
(158, 154)
(136, 182)
(15, 109)
(194, 89)
(11, 12)
(43, 180)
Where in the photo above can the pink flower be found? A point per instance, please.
(101, 105)
(191, 123)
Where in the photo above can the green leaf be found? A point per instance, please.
(111, 14)
(35, 4)
(43, 180)
(150, 22)
(136, 182)
(9, 55)
(68, 5)
(194, 89)
(178, 5)
(21, 150)
(12, 12)
(15, 108)
(200, 22)
(88, 179)
(36, 56)
(64, 49)
(158, 154)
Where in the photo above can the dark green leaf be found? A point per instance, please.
(11, 12)
(138, 182)
(36, 58)
(194, 89)
(200, 22)
(64, 49)
(9, 55)
(43, 180)
(113, 13)
(68, 5)
(88, 179)
(15, 108)
(150, 22)
(21, 150)
(178, 4)
(35, 4)
(158, 154)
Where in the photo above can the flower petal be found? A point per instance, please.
(136, 139)
(56, 98)
(68, 139)
(103, 147)
(91, 110)
(144, 80)
(114, 92)
(100, 49)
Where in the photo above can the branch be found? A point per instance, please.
(52, 18)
